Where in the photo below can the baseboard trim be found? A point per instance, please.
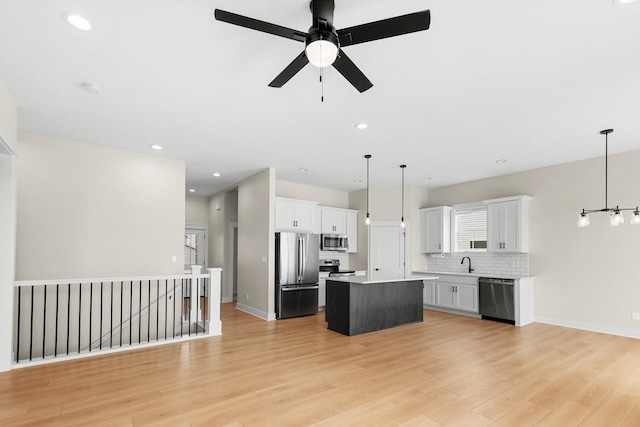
(226, 300)
(450, 311)
(588, 326)
(255, 312)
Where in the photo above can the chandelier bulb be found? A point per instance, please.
(635, 219)
(584, 220)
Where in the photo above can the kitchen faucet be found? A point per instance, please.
(462, 262)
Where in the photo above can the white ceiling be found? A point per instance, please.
(528, 81)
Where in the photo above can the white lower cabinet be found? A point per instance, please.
(452, 292)
(429, 291)
(457, 293)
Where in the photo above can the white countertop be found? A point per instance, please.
(365, 280)
(453, 273)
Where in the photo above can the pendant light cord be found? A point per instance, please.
(403, 166)
(367, 156)
(606, 169)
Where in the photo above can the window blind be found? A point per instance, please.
(471, 229)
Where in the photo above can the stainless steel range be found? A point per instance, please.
(332, 266)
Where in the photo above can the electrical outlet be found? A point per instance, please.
(635, 316)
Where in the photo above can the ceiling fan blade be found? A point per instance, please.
(254, 24)
(348, 69)
(405, 24)
(290, 71)
(322, 11)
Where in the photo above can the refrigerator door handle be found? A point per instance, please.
(303, 257)
(299, 259)
(299, 288)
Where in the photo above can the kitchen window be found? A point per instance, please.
(470, 228)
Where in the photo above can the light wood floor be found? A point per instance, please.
(449, 370)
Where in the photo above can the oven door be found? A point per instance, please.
(333, 242)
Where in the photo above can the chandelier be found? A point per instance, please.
(616, 216)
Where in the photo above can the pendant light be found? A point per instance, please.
(402, 216)
(367, 220)
(616, 216)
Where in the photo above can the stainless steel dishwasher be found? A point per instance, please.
(496, 299)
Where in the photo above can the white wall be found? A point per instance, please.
(8, 190)
(324, 196)
(256, 244)
(7, 256)
(196, 210)
(8, 122)
(89, 211)
(584, 277)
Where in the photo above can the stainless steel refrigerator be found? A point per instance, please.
(296, 274)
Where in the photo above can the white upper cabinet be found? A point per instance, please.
(435, 230)
(339, 221)
(294, 215)
(508, 224)
(333, 221)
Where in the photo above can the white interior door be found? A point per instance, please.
(195, 248)
(388, 258)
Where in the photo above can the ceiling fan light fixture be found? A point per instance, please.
(322, 53)
(322, 48)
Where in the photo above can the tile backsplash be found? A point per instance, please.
(342, 256)
(482, 262)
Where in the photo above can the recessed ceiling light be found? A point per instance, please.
(191, 190)
(77, 21)
(362, 126)
(156, 147)
(303, 169)
(216, 174)
(91, 87)
(625, 1)
(426, 178)
(357, 181)
(501, 161)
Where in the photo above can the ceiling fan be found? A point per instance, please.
(323, 43)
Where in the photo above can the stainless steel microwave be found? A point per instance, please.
(333, 242)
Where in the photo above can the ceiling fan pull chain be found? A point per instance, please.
(321, 85)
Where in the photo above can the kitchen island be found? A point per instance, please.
(357, 304)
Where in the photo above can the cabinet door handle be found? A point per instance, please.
(439, 245)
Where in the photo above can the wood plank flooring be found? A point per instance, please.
(449, 370)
